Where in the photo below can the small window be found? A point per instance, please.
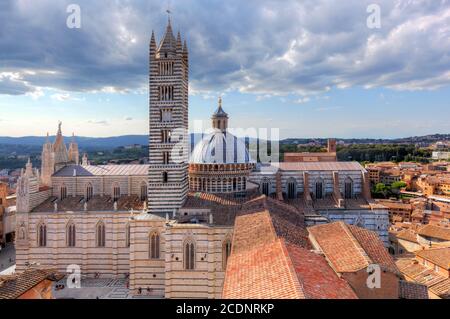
(63, 192)
(144, 192)
(71, 235)
(226, 253)
(154, 246)
(116, 193)
(165, 177)
(319, 190)
(189, 256)
(42, 235)
(101, 235)
(127, 235)
(89, 192)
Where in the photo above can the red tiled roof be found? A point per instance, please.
(12, 287)
(374, 248)
(252, 230)
(440, 256)
(412, 290)
(408, 235)
(318, 280)
(350, 248)
(262, 272)
(436, 283)
(435, 232)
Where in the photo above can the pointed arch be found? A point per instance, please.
(291, 188)
(62, 192)
(127, 235)
(226, 252)
(143, 191)
(100, 234)
(154, 245)
(42, 234)
(348, 188)
(115, 192)
(89, 192)
(71, 234)
(189, 254)
(319, 191)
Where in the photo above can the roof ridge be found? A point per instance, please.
(355, 242)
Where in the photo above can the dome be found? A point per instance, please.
(221, 148)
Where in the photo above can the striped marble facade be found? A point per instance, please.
(168, 86)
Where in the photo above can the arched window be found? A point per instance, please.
(348, 189)
(89, 192)
(127, 235)
(100, 235)
(144, 192)
(226, 252)
(165, 177)
(42, 235)
(71, 235)
(189, 256)
(292, 188)
(154, 246)
(63, 192)
(265, 187)
(116, 192)
(319, 189)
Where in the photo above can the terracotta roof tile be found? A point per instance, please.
(12, 287)
(350, 248)
(408, 235)
(318, 280)
(412, 290)
(435, 232)
(262, 272)
(440, 256)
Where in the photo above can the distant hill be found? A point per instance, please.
(105, 143)
(83, 142)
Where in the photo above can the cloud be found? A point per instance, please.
(128, 119)
(265, 47)
(60, 97)
(98, 122)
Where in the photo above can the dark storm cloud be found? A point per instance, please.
(259, 46)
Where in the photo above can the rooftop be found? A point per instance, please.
(349, 248)
(12, 287)
(102, 170)
(95, 204)
(439, 256)
(432, 231)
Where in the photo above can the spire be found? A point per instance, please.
(153, 43)
(179, 44)
(168, 43)
(29, 168)
(59, 128)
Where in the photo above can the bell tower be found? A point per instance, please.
(168, 143)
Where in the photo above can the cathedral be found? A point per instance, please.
(168, 227)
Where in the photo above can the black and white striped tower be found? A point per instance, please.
(168, 143)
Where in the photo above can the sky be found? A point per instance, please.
(311, 68)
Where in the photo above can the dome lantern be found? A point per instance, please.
(220, 118)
